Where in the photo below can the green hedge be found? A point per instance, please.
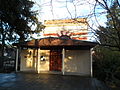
(106, 66)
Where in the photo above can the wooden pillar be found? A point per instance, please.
(63, 57)
(38, 64)
(16, 64)
(91, 60)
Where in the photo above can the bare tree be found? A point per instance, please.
(109, 35)
(95, 12)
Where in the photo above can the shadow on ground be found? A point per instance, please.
(30, 81)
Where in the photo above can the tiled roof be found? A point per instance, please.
(57, 42)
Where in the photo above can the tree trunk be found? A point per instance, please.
(3, 44)
(2, 48)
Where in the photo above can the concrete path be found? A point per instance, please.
(28, 81)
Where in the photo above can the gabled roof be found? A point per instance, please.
(57, 42)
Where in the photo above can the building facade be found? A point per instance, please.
(63, 49)
(52, 55)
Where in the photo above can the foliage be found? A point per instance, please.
(9, 64)
(107, 55)
(109, 35)
(16, 19)
(107, 65)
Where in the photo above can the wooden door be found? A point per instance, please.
(55, 60)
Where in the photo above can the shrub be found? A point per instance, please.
(106, 65)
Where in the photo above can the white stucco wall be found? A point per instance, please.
(44, 65)
(28, 60)
(77, 62)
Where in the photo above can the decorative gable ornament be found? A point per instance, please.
(64, 34)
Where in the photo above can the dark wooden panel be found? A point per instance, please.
(55, 60)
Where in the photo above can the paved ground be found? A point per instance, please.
(27, 81)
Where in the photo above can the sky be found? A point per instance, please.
(67, 9)
(57, 9)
